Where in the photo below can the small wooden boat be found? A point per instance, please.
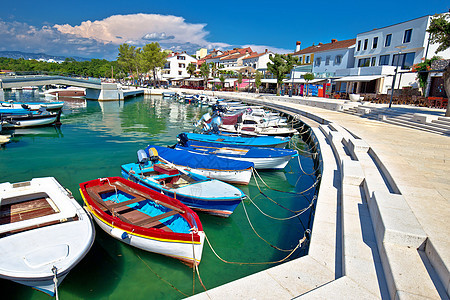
(259, 141)
(211, 166)
(68, 92)
(263, 158)
(196, 191)
(144, 218)
(44, 233)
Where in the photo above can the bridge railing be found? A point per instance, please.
(28, 74)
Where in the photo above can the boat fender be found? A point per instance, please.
(153, 155)
(119, 234)
(142, 157)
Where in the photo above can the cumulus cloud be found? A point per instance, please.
(155, 36)
(100, 38)
(119, 29)
(262, 48)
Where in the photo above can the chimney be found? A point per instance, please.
(265, 51)
(333, 41)
(320, 44)
(298, 46)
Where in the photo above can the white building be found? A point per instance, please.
(258, 61)
(334, 56)
(176, 66)
(379, 51)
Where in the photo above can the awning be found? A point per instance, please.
(302, 80)
(358, 78)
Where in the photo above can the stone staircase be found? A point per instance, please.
(405, 118)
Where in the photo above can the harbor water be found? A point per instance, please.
(95, 139)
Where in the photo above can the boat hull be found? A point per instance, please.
(260, 141)
(59, 240)
(181, 250)
(235, 177)
(31, 121)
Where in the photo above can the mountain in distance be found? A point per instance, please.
(38, 56)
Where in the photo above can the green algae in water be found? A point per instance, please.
(94, 140)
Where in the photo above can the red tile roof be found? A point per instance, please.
(326, 47)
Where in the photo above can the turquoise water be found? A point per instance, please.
(94, 140)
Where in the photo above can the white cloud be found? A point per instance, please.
(101, 38)
(119, 29)
(262, 48)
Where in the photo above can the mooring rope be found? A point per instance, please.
(186, 295)
(55, 281)
(287, 218)
(300, 242)
(301, 168)
(294, 193)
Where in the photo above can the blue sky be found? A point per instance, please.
(94, 29)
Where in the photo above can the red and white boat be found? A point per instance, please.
(144, 218)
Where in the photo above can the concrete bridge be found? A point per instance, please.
(95, 89)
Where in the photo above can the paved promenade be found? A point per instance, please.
(381, 226)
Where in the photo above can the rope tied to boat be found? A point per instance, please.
(301, 241)
(287, 218)
(55, 281)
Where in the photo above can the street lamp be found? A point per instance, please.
(400, 48)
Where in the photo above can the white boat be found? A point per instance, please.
(44, 233)
(31, 120)
(68, 92)
(32, 105)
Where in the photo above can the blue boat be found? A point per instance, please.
(263, 158)
(211, 166)
(198, 192)
(257, 141)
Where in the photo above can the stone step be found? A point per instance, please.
(415, 125)
(441, 124)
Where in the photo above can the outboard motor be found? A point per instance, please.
(142, 157)
(153, 155)
(182, 139)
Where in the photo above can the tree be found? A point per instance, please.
(258, 77)
(151, 58)
(222, 79)
(239, 79)
(307, 77)
(422, 70)
(126, 57)
(280, 66)
(204, 71)
(439, 30)
(191, 69)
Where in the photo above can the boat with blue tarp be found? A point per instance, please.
(211, 166)
(256, 141)
(262, 157)
(196, 191)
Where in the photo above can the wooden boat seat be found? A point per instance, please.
(165, 169)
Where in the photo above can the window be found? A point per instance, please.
(364, 62)
(366, 41)
(404, 60)
(318, 61)
(374, 60)
(384, 60)
(307, 60)
(337, 60)
(407, 36)
(327, 61)
(387, 42)
(180, 73)
(359, 46)
(375, 43)
(181, 58)
(181, 65)
(300, 59)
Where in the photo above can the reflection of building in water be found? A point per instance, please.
(111, 111)
(70, 102)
